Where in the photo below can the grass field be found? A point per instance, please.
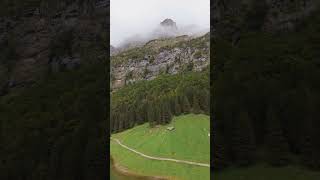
(264, 172)
(189, 141)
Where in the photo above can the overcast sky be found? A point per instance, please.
(131, 17)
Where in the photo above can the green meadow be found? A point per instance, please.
(188, 141)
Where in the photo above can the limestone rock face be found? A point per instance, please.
(169, 23)
(167, 28)
(48, 37)
(169, 56)
(113, 50)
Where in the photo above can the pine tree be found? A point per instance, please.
(205, 101)
(121, 124)
(196, 106)
(172, 107)
(166, 113)
(157, 113)
(151, 114)
(219, 150)
(185, 104)
(310, 145)
(177, 106)
(277, 144)
(131, 118)
(243, 139)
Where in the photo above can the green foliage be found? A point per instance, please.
(197, 54)
(278, 71)
(134, 54)
(278, 147)
(52, 124)
(242, 139)
(154, 47)
(166, 93)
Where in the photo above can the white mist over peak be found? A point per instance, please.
(165, 29)
(140, 20)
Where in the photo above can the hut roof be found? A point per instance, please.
(170, 128)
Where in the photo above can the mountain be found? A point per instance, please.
(167, 55)
(167, 28)
(113, 50)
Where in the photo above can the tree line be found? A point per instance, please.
(57, 128)
(158, 100)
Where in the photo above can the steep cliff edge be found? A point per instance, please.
(160, 56)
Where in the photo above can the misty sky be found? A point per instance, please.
(131, 17)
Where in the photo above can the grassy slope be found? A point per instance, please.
(189, 141)
(263, 172)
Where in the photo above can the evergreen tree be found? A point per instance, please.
(243, 145)
(177, 106)
(310, 143)
(219, 151)
(185, 104)
(196, 106)
(151, 114)
(166, 114)
(277, 144)
(157, 113)
(172, 107)
(205, 101)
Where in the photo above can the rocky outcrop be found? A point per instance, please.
(113, 50)
(167, 28)
(169, 23)
(169, 56)
(47, 37)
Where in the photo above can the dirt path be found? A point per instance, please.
(159, 158)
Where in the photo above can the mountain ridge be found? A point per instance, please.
(166, 55)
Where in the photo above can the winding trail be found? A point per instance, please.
(159, 158)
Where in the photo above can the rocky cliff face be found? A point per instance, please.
(167, 28)
(48, 37)
(233, 16)
(170, 56)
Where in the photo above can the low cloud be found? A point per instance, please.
(139, 20)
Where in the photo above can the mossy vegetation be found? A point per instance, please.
(154, 47)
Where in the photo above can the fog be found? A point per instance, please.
(138, 19)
